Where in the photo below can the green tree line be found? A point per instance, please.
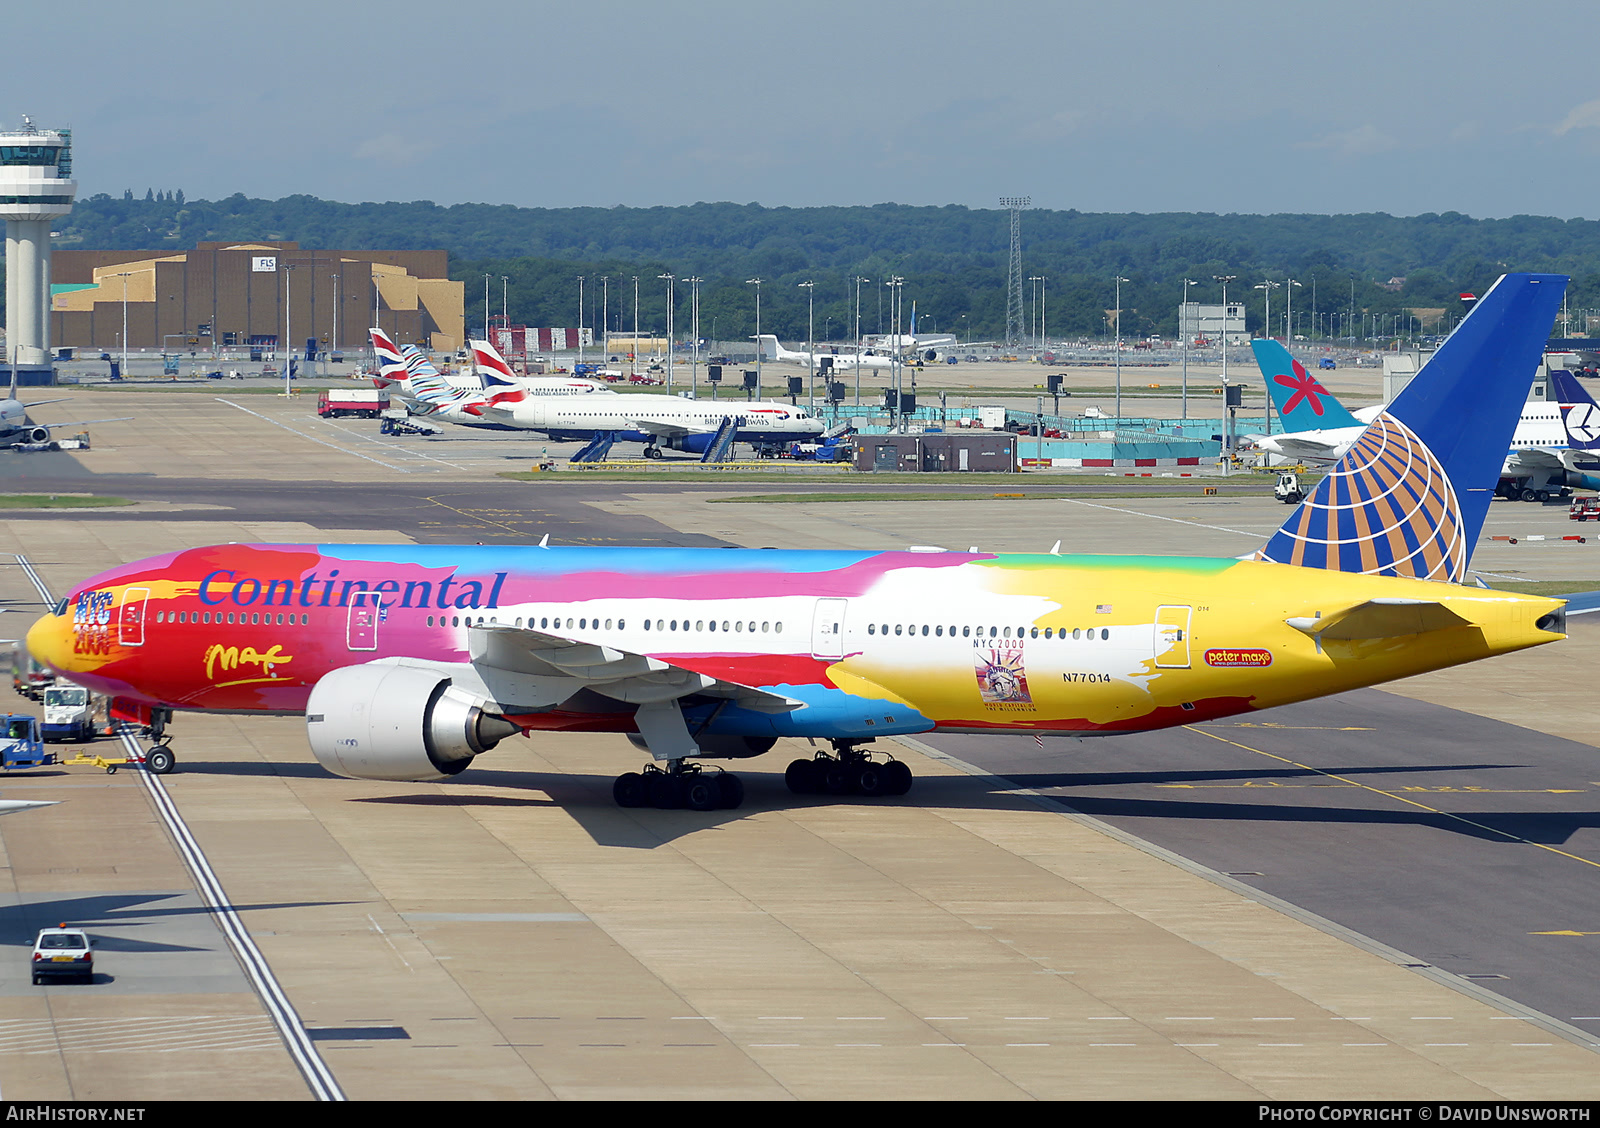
(953, 259)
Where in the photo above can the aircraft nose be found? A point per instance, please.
(49, 640)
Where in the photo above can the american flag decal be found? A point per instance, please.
(1386, 509)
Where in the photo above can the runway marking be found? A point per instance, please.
(313, 438)
(393, 446)
(1159, 517)
(1443, 789)
(291, 1030)
(469, 515)
(164, 1034)
(1564, 932)
(1398, 797)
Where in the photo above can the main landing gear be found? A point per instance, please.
(679, 785)
(652, 451)
(850, 772)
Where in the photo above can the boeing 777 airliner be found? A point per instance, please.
(409, 661)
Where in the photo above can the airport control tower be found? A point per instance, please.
(36, 189)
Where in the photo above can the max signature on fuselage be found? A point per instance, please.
(223, 659)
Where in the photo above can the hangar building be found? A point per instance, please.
(233, 294)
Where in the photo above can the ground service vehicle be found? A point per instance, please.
(362, 403)
(21, 746)
(59, 953)
(1288, 489)
(1585, 509)
(67, 714)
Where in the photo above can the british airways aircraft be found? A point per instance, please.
(410, 661)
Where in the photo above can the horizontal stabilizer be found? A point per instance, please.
(1381, 618)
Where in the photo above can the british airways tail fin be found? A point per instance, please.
(500, 383)
(1579, 414)
(391, 364)
(1410, 497)
(492, 368)
(1302, 402)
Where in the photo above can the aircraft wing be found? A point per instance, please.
(1534, 458)
(84, 422)
(41, 403)
(524, 668)
(1292, 445)
(669, 430)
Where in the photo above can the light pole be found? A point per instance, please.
(1183, 333)
(1227, 436)
(634, 352)
(1120, 281)
(669, 279)
(605, 314)
(760, 347)
(576, 371)
(694, 322)
(896, 364)
(505, 299)
(288, 335)
(858, 280)
(334, 347)
(811, 349)
(1288, 317)
(486, 278)
(1035, 291)
(124, 276)
(1266, 287)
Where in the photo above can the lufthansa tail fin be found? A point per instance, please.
(1410, 497)
(1579, 414)
(1302, 402)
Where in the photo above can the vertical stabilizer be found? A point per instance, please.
(1410, 497)
(1302, 402)
(1579, 414)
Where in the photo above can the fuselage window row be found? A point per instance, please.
(993, 632)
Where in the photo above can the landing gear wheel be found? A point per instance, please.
(732, 791)
(873, 780)
(160, 760)
(1529, 495)
(838, 778)
(652, 452)
(900, 777)
(701, 793)
(665, 790)
(629, 790)
(803, 777)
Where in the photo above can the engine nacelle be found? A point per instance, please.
(379, 721)
(721, 746)
(38, 434)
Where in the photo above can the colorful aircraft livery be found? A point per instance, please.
(852, 643)
(409, 661)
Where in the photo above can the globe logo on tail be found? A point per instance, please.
(1386, 509)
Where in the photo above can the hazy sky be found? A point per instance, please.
(1415, 106)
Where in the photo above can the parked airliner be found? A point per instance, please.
(1555, 443)
(410, 661)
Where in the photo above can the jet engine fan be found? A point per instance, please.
(381, 721)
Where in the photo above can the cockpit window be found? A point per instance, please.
(60, 608)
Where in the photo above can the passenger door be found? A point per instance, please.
(130, 621)
(362, 633)
(827, 629)
(1172, 637)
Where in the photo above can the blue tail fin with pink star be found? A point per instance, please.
(1410, 497)
(1302, 402)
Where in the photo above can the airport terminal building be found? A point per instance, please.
(237, 294)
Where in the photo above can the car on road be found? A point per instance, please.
(62, 952)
